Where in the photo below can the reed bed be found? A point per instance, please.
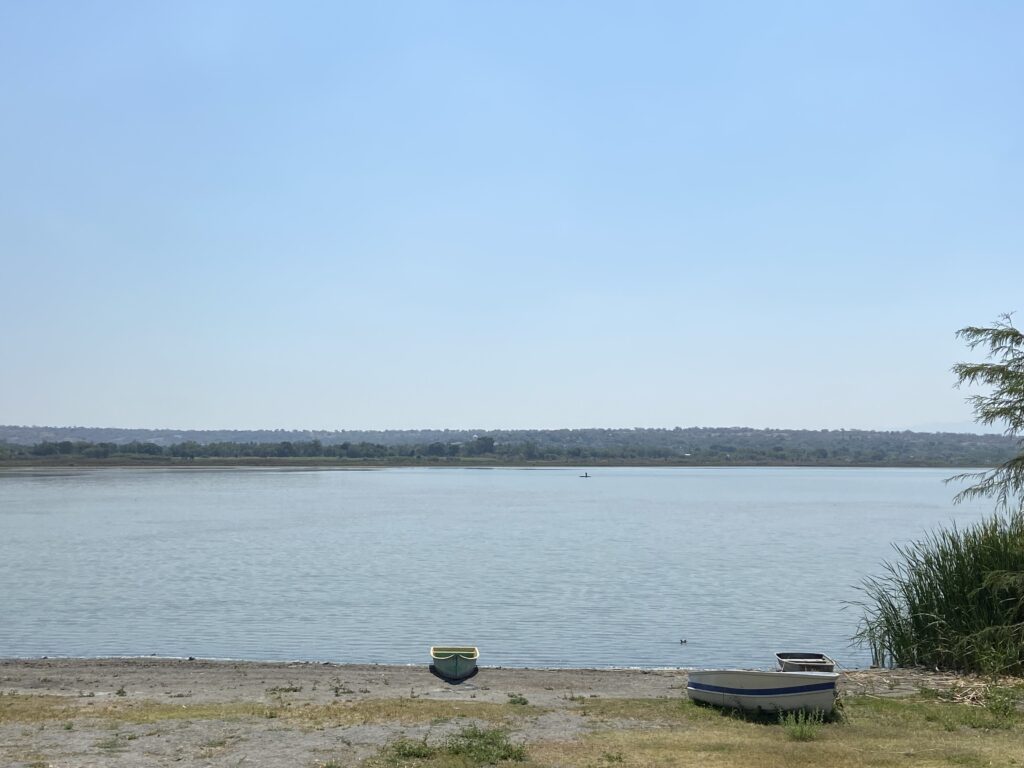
(952, 601)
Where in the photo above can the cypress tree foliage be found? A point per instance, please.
(1004, 372)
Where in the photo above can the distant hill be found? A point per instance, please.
(693, 445)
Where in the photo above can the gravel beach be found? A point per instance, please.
(162, 712)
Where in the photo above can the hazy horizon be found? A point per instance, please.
(365, 216)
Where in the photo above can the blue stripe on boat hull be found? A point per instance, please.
(829, 686)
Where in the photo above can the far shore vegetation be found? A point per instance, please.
(30, 446)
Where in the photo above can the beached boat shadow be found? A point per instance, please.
(771, 717)
(453, 680)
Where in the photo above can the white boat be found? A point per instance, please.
(764, 691)
(804, 662)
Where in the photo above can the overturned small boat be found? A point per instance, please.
(804, 662)
(756, 690)
(454, 662)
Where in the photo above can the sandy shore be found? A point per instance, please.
(156, 712)
(204, 680)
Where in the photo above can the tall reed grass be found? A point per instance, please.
(952, 601)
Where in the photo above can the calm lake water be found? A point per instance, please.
(537, 567)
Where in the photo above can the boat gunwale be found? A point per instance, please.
(443, 652)
(772, 673)
(803, 656)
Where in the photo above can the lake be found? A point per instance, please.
(538, 567)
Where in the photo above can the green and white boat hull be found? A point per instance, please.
(454, 662)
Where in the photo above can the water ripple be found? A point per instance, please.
(537, 568)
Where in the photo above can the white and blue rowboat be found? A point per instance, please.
(764, 691)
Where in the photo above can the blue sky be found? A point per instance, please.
(504, 215)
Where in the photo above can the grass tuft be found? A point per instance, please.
(406, 749)
(485, 746)
(28, 708)
(801, 725)
(1002, 703)
(471, 747)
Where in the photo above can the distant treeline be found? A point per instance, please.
(696, 446)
